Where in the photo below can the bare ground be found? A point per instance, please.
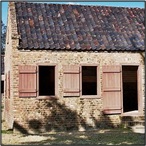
(100, 136)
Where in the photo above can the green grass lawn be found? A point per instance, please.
(105, 137)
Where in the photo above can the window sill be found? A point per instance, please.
(90, 96)
(132, 113)
(47, 97)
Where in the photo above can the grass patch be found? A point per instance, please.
(103, 137)
(117, 136)
(7, 131)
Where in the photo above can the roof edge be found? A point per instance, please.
(12, 17)
(77, 50)
(80, 5)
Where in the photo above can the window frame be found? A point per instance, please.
(56, 81)
(98, 81)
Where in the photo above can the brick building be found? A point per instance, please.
(72, 66)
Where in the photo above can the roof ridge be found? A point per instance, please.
(80, 5)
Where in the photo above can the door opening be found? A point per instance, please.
(130, 91)
(2, 86)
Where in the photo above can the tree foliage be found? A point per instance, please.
(3, 37)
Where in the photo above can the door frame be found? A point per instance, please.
(139, 88)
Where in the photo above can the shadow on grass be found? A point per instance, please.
(92, 137)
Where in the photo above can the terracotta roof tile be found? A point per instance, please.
(76, 27)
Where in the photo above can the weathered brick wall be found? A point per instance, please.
(68, 112)
(8, 102)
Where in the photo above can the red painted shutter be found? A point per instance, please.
(27, 81)
(141, 106)
(112, 89)
(6, 85)
(71, 80)
(8, 93)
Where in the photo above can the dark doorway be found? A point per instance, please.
(89, 80)
(130, 93)
(2, 86)
(46, 80)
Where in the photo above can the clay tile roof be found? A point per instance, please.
(78, 27)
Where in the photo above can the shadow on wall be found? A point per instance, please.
(62, 118)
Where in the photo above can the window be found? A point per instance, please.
(46, 80)
(89, 80)
(81, 81)
(38, 81)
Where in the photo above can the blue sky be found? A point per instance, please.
(117, 4)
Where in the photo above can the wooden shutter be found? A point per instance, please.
(27, 81)
(112, 89)
(71, 80)
(5, 85)
(8, 93)
(139, 86)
